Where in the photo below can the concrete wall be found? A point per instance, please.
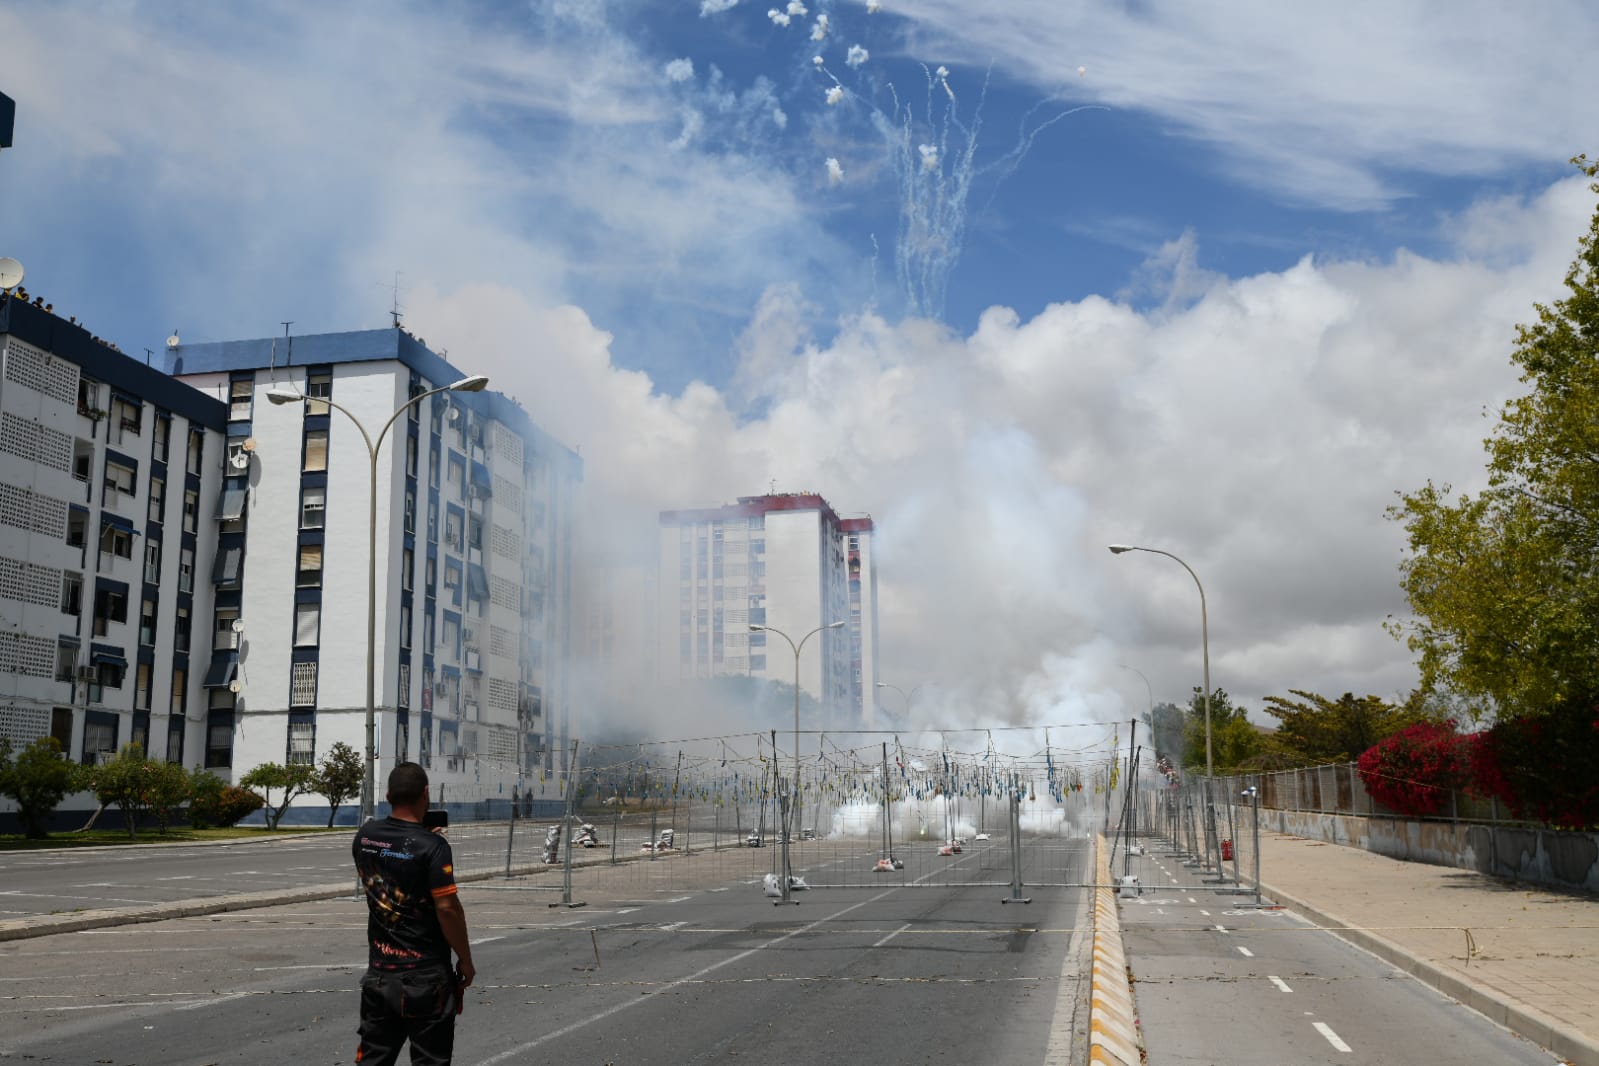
(1568, 860)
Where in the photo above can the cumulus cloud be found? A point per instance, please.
(716, 7)
(680, 70)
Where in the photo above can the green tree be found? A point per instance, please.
(1234, 740)
(1503, 585)
(169, 789)
(292, 781)
(39, 778)
(339, 777)
(205, 799)
(1316, 730)
(127, 783)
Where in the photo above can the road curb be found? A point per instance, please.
(1571, 1045)
(1112, 1019)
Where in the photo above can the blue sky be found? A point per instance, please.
(1258, 268)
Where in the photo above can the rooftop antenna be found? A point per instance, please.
(394, 309)
(774, 488)
(148, 355)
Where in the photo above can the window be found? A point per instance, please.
(99, 736)
(196, 451)
(452, 634)
(407, 565)
(179, 696)
(302, 740)
(89, 397)
(82, 458)
(152, 562)
(77, 529)
(432, 574)
(147, 623)
(452, 530)
(219, 738)
(141, 688)
(158, 495)
(72, 593)
(191, 510)
(119, 478)
(316, 451)
(111, 675)
(186, 570)
(410, 457)
(66, 661)
(175, 740)
(312, 506)
(307, 623)
(433, 465)
(180, 631)
(241, 393)
(110, 605)
(126, 415)
(410, 511)
(302, 685)
(318, 389)
(163, 431)
(114, 540)
(225, 637)
(405, 626)
(61, 727)
(433, 521)
(310, 568)
(457, 472)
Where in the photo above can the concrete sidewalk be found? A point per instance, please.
(1526, 957)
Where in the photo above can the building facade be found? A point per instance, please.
(474, 512)
(110, 482)
(782, 560)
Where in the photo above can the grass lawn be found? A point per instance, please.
(174, 835)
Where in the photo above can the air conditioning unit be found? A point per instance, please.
(452, 539)
(468, 635)
(88, 673)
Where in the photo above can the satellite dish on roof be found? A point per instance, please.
(172, 341)
(10, 273)
(235, 686)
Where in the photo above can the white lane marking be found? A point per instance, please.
(626, 910)
(313, 966)
(671, 927)
(1204, 912)
(892, 935)
(485, 940)
(1279, 982)
(1191, 899)
(672, 986)
(212, 1002)
(177, 877)
(1332, 1038)
(1221, 929)
(1245, 952)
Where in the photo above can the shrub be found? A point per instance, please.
(169, 788)
(1542, 768)
(126, 782)
(236, 803)
(205, 798)
(38, 779)
(1414, 770)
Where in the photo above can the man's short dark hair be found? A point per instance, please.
(406, 783)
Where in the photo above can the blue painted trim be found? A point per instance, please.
(109, 519)
(107, 653)
(105, 584)
(112, 456)
(66, 340)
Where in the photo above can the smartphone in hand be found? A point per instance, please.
(439, 819)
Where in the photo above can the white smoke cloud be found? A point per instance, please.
(835, 172)
(835, 94)
(856, 56)
(779, 17)
(716, 7)
(1258, 430)
(819, 28)
(680, 70)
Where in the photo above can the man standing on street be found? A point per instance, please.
(414, 920)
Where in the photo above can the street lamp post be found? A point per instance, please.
(1204, 644)
(1204, 639)
(282, 394)
(794, 812)
(907, 697)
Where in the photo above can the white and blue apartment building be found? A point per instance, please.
(183, 563)
(475, 516)
(110, 477)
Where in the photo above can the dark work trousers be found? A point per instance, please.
(415, 1005)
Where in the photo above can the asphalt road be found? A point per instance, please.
(1220, 982)
(641, 975)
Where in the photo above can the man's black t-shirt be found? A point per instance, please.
(404, 867)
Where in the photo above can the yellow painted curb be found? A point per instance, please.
(1112, 1018)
